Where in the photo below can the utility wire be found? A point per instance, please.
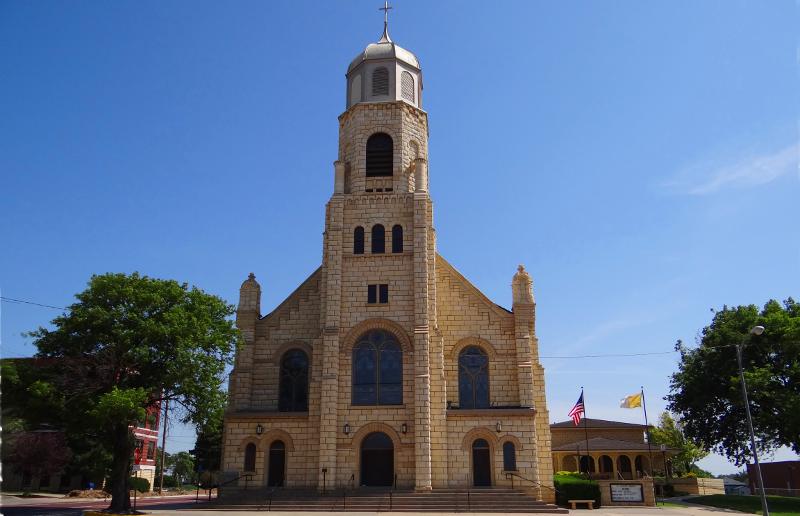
(22, 301)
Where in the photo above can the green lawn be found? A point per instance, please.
(778, 505)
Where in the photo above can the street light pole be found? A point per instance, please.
(755, 330)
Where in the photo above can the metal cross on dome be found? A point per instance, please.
(385, 10)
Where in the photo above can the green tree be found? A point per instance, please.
(669, 432)
(706, 393)
(129, 342)
(182, 465)
(208, 445)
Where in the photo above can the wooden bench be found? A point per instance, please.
(590, 503)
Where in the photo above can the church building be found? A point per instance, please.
(386, 366)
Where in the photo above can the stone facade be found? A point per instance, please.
(432, 313)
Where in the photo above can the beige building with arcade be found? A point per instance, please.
(386, 367)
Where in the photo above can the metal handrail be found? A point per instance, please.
(511, 475)
(344, 491)
(269, 498)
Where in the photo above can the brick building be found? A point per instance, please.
(146, 437)
(386, 366)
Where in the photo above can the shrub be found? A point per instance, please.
(570, 487)
(140, 484)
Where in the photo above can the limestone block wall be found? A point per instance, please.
(299, 434)
(408, 127)
(465, 319)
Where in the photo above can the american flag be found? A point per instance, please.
(577, 411)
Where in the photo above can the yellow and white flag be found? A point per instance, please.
(632, 401)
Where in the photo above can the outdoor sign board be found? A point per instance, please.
(627, 493)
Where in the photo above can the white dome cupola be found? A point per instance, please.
(384, 72)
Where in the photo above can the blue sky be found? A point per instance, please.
(640, 158)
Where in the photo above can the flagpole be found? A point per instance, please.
(647, 430)
(586, 431)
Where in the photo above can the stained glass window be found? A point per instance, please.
(377, 370)
(473, 378)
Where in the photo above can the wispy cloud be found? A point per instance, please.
(753, 169)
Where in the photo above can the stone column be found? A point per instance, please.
(329, 388)
(422, 380)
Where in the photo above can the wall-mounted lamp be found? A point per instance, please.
(499, 427)
(347, 429)
(404, 428)
(259, 429)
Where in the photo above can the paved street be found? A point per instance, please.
(13, 506)
(186, 505)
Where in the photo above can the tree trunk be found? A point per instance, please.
(121, 470)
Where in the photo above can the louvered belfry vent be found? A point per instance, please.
(407, 86)
(379, 155)
(380, 81)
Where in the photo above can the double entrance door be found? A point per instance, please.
(377, 460)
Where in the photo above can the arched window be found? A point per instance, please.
(587, 464)
(407, 86)
(358, 240)
(605, 464)
(380, 155)
(377, 369)
(380, 81)
(293, 387)
(509, 456)
(378, 239)
(397, 239)
(250, 457)
(473, 378)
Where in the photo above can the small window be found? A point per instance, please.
(358, 240)
(397, 239)
(378, 239)
(407, 86)
(151, 450)
(509, 456)
(380, 155)
(250, 457)
(380, 81)
(377, 294)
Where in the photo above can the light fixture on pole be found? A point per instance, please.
(755, 330)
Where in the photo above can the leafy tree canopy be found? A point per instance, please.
(131, 341)
(706, 393)
(670, 433)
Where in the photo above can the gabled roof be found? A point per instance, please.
(469, 287)
(595, 423)
(603, 444)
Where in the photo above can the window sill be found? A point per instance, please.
(491, 412)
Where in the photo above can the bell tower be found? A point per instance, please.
(379, 249)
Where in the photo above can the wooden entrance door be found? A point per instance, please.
(277, 464)
(481, 463)
(377, 460)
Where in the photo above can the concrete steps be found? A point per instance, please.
(375, 500)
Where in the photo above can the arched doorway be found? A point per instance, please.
(624, 467)
(481, 463)
(642, 466)
(587, 464)
(377, 460)
(605, 464)
(277, 464)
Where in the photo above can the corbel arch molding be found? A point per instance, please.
(484, 344)
(369, 428)
(292, 344)
(376, 324)
(247, 440)
(477, 433)
(510, 438)
(277, 435)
